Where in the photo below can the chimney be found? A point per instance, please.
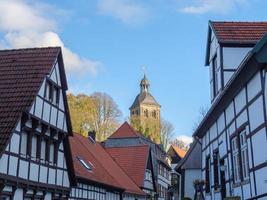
(91, 135)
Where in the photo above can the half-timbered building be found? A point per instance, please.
(233, 133)
(176, 154)
(35, 161)
(98, 176)
(189, 170)
(126, 136)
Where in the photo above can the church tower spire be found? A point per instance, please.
(144, 84)
(145, 112)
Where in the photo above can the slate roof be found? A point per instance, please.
(104, 169)
(192, 159)
(133, 160)
(144, 98)
(125, 131)
(241, 32)
(21, 74)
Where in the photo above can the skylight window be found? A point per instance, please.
(85, 164)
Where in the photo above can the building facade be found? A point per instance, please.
(233, 133)
(126, 136)
(145, 113)
(189, 170)
(176, 154)
(98, 175)
(35, 126)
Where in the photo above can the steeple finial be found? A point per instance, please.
(144, 85)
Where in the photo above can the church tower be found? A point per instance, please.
(145, 112)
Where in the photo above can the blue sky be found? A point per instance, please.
(106, 43)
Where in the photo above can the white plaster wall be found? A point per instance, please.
(190, 176)
(229, 112)
(259, 144)
(18, 195)
(232, 57)
(254, 86)
(3, 164)
(256, 116)
(240, 100)
(261, 181)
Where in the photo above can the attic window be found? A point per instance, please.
(85, 164)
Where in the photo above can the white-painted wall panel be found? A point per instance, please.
(259, 143)
(34, 169)
(38, 107)
(261, 180)
(53, 76)
(53, 119)
(240, 100)
(229, 112)
(52, 176)
(221, 123)
(66, 182)
(58, 74)
(59, 177)
(3, 163)
(23, 169)
(246, 191)
(43, 174)
(227, 75)
(213, 132)
(231, 129)
(254, 86)
(61, 102)
(46, 112)
(242, 118)
(14, 143)
(18, 195)
(60, 120)
(256, 116)
(232, 57)
(13, 163)
(42, 89)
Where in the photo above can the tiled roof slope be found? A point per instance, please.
(104, 169)
(125, 131)
(180, 152)
(241, 32)
(21, 74)
(133, 160)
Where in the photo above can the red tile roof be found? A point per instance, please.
(104, 170)
(21, 74)
(180, 152)
(241, 32)
(133, 160)
(125, 131)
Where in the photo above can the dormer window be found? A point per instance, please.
(85, 164)
(52, 92)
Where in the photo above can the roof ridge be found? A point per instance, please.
(121, 147)
(31, 48)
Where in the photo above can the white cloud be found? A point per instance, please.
(184, 138)
(127, 11)
(25, 24)
(217, 6)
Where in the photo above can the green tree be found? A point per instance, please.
(97, 112)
